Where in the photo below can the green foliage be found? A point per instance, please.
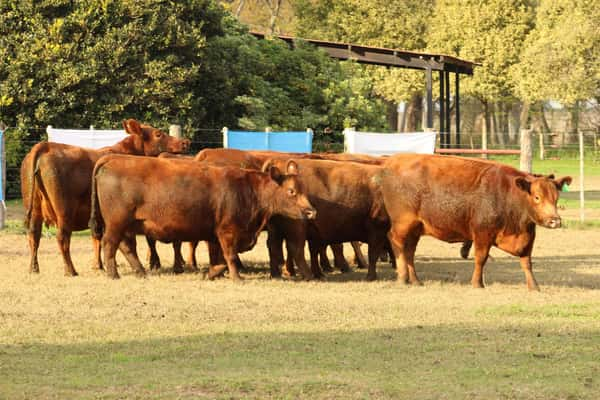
(491, 32)
(400, 25)
(97, 62)
(561, 58)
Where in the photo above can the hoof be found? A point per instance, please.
(478, 285)
(71, 273)
(216, 271)
(371, 278)
(178, 269)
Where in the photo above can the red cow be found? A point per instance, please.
(223, 205)
(55, 184)
(460, 199)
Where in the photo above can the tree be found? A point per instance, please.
(399, 24)
(490, 32)
(561, 57)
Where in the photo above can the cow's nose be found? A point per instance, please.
(186, 145)
(310, 213)
(554, 223)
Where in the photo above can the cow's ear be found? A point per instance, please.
(523, 184)
(132, 127)
(566, 180)
(272, 170)
(551, 176)
(292, 168)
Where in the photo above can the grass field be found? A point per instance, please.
(182, 337)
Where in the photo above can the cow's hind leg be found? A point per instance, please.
(109, 247)
(227, 241)
(359, 258)
(178, 261)
(314, 259)
(482, 251)
(34, 233)
(324, 260)
(404, 238)
(191, 261)
(97, 257)
(63, 237)
(128, 248)
(153, 258)
(338, 257)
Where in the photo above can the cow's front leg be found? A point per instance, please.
(526, 266)
(177, 258)
(97, 257)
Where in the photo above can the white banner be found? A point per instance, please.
(385, 144)
(90, 138)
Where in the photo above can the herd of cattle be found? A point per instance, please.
(143, 185)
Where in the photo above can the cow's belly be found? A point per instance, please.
(445, 233)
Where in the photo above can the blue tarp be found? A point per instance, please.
(292, 142)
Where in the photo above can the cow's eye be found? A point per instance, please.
(537, 199)
(291, 192)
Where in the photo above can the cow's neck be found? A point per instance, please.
(125, 146)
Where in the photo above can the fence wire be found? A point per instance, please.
(547, 146)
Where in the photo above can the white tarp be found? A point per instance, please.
(380, 144)
(90, 138)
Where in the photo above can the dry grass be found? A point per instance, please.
(171, 336)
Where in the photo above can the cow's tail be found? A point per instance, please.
(96, 223)
(31, 181)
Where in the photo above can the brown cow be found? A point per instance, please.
(223, 205)
(255, 160)
(459, 199)
(349, 208)
(55, 184)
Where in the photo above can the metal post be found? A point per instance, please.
(457, 108)
(447, 107)
(442, 118)
(429, 100)
(581, 187)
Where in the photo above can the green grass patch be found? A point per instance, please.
(578, 311)
(452, 362)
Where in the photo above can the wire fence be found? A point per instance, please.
(550, 147)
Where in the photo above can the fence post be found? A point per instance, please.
(175, 131)
(225, 132)
(2, 179)
(310, 135)
(581, 170)
(526, 151)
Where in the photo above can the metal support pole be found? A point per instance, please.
(457, 108)
(429, 100)
(442, 118)
(175, 131)
(447, 107)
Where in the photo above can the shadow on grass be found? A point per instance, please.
(581, 271)
(428, 362)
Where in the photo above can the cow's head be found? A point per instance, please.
(542, 194)
(150, 141)
(289, 199)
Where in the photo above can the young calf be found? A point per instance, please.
(180, 200)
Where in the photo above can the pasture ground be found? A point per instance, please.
(182, 337)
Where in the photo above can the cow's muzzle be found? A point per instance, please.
(310, 213)
(553, 223)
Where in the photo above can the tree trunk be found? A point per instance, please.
(415, 113)
(526, 140)
(392, 115)
(239, 8)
